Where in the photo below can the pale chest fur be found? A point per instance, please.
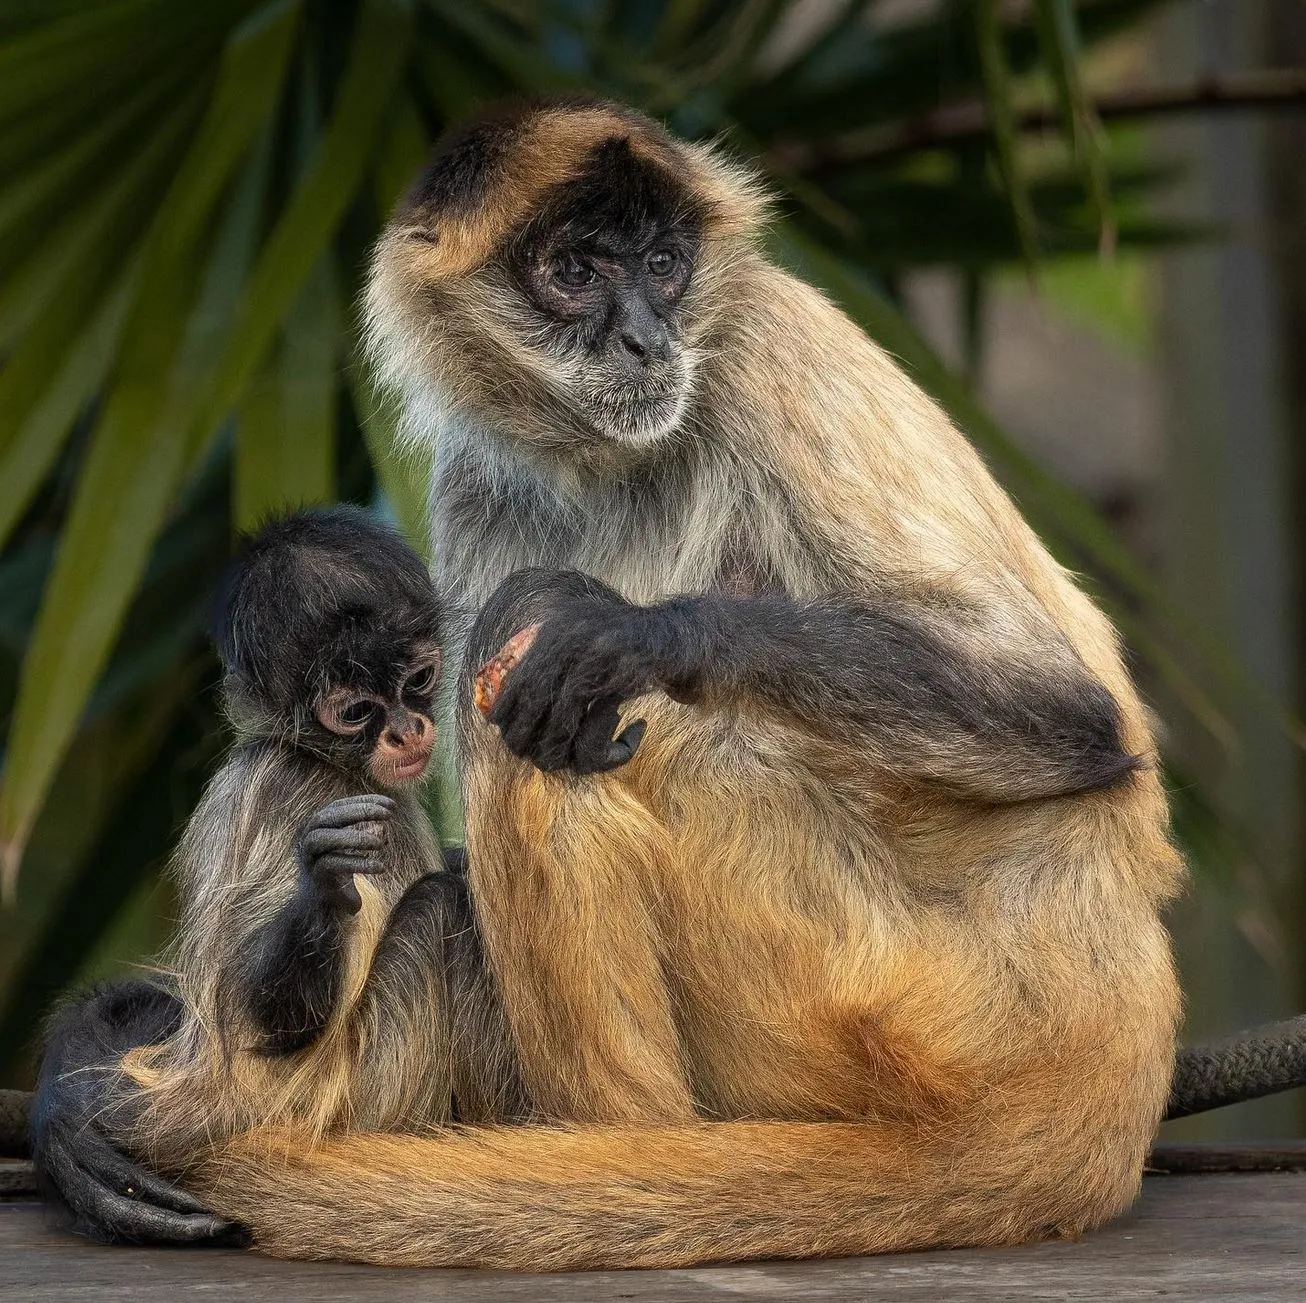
(686, 521)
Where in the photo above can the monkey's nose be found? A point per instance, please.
(408, 731)
(646, 343)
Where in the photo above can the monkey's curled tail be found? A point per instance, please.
(540, 1199)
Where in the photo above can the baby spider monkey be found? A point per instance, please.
(329, 633)
(329, 966)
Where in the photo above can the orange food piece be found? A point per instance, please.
(489, 679)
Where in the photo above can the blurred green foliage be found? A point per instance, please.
(188, 193)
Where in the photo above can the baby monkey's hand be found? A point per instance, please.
(343, 838)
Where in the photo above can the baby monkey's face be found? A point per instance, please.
(388, 730)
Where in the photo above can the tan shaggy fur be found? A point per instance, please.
(385, 1059)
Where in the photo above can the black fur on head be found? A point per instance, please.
(469, 159)
(316, 601)
(619, 203)
(621, 206)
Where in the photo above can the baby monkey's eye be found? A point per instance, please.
(345, 713)
(357, 713)
(573, 271)
(422, 682)
(662, 262)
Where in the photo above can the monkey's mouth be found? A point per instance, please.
(641, 411)
(396, 772)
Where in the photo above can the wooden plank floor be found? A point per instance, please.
(1212, 1237)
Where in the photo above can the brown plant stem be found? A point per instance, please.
(967, 120)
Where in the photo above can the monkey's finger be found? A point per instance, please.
(556, 744)
(589, 751)
(627, 742)
(360, 798)
(527, 696)
(103, 1213)
(136, 1182)
(352, 837)
(621, 749)
(367, 807)
(521, 718)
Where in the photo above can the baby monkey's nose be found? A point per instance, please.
(405, 730)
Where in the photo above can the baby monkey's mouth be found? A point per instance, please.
(395, 770)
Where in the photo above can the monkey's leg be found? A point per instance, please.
(564, 875)
(85, 1107)
(434, 1042)
(487, 1084)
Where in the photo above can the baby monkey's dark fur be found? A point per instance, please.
(323, 614)
(324, 942)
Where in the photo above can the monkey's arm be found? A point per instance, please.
(923, 689)
(84, 1109)
(293, 980)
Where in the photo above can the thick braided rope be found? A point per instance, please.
(1261, 1061)
(14, 1106)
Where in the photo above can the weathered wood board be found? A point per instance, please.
(1231, 1236)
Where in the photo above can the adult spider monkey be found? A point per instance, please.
(861, 950)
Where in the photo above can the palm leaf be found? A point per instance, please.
(123, 852)
(1059, 32)
(44, 388)
(285, 432)
(305, 227)
(79, 255)
(1002, 120)
(137, 458)
(32, 202)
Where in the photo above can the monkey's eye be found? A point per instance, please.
(356, 714)
(346, 713)
(572, 271)
(662, 262)
(421, 683)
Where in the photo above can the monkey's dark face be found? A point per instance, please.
(604, 268)
(329, 632)
(384, 729)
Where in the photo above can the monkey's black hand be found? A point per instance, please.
(341, 839)
(560, 707)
